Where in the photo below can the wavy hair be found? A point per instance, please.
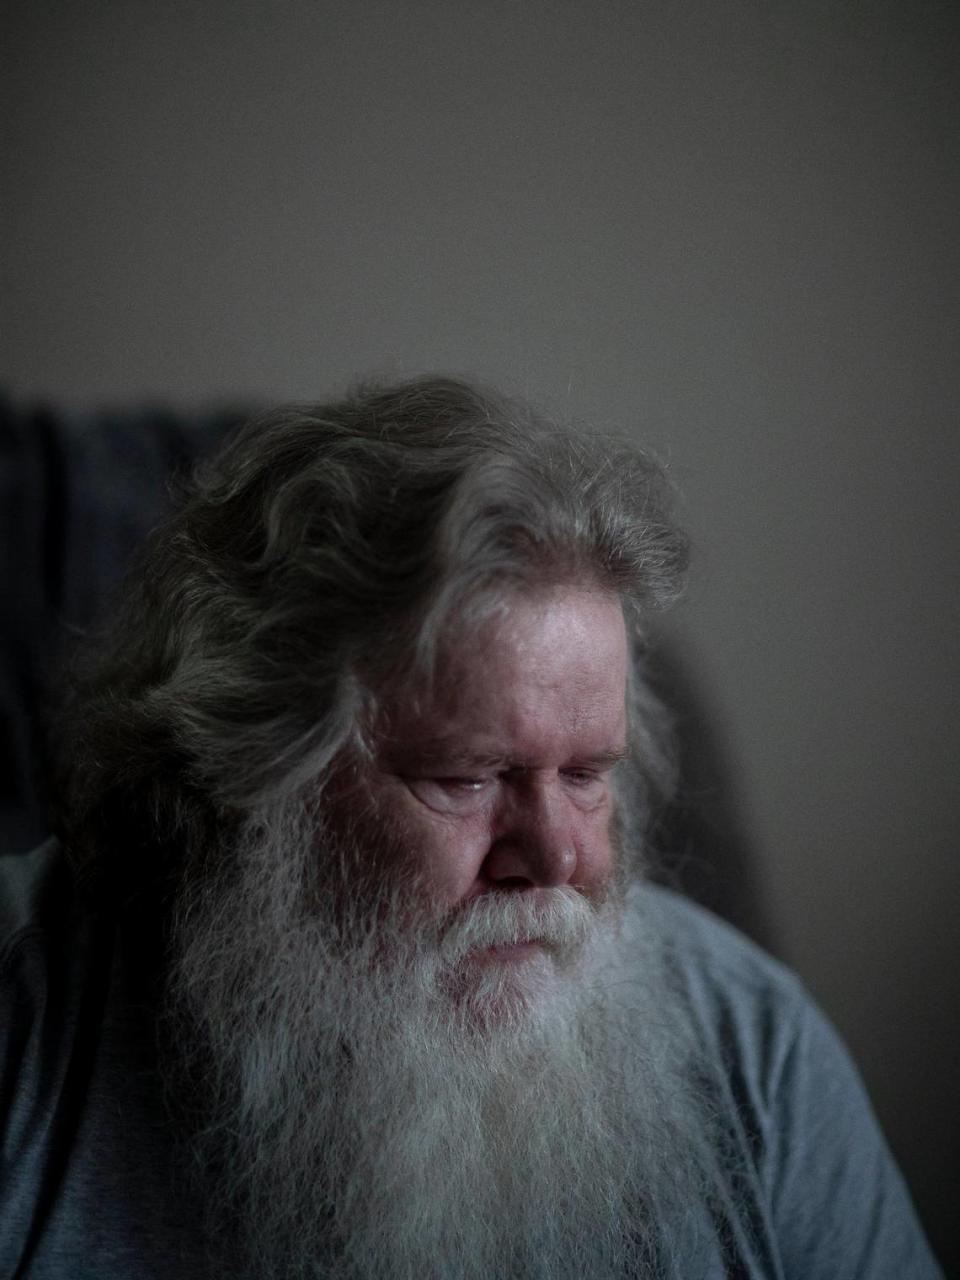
(322, 551)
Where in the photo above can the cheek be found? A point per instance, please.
(448, 852)
(595, 848)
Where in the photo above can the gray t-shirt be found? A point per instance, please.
(89, 1189)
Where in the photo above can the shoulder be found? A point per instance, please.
(698, 937)
(758, 1035)
(797, 1119)
(82, 1103)
(36, 893)
(35, 901)
(742, 1014)
(55, 950)
(44, 951)
(54, 960)
(38, 912)
(725, 980)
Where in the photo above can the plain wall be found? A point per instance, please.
(729, 227)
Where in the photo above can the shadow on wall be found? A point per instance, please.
(703, 848)
(78, 493)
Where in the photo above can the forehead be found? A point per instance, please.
(542, 671)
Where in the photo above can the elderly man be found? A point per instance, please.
(343, 963)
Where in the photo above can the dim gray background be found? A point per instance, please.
(729, 227)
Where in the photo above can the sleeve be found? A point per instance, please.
(840, 1207)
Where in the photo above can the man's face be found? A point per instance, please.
(430, 1049)
(499, 782)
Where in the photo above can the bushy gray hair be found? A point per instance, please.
(325, 549)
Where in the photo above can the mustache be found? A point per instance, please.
(560, 920)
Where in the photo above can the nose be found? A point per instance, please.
(534, 845)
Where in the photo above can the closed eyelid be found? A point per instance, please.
(478, 770)
(490, 772)
(449, 794)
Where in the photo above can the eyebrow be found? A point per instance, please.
(605, 759)
(440, 753)
(449, 754)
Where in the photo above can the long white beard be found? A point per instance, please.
(374, 1103)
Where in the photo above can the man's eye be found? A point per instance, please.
(451, 793)
(582, 777)
(586, 787)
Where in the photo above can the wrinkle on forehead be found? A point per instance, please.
(540, 667)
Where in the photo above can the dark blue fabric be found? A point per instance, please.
(78, 494)
(808, 1190)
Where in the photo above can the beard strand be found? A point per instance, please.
(358, 1096)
